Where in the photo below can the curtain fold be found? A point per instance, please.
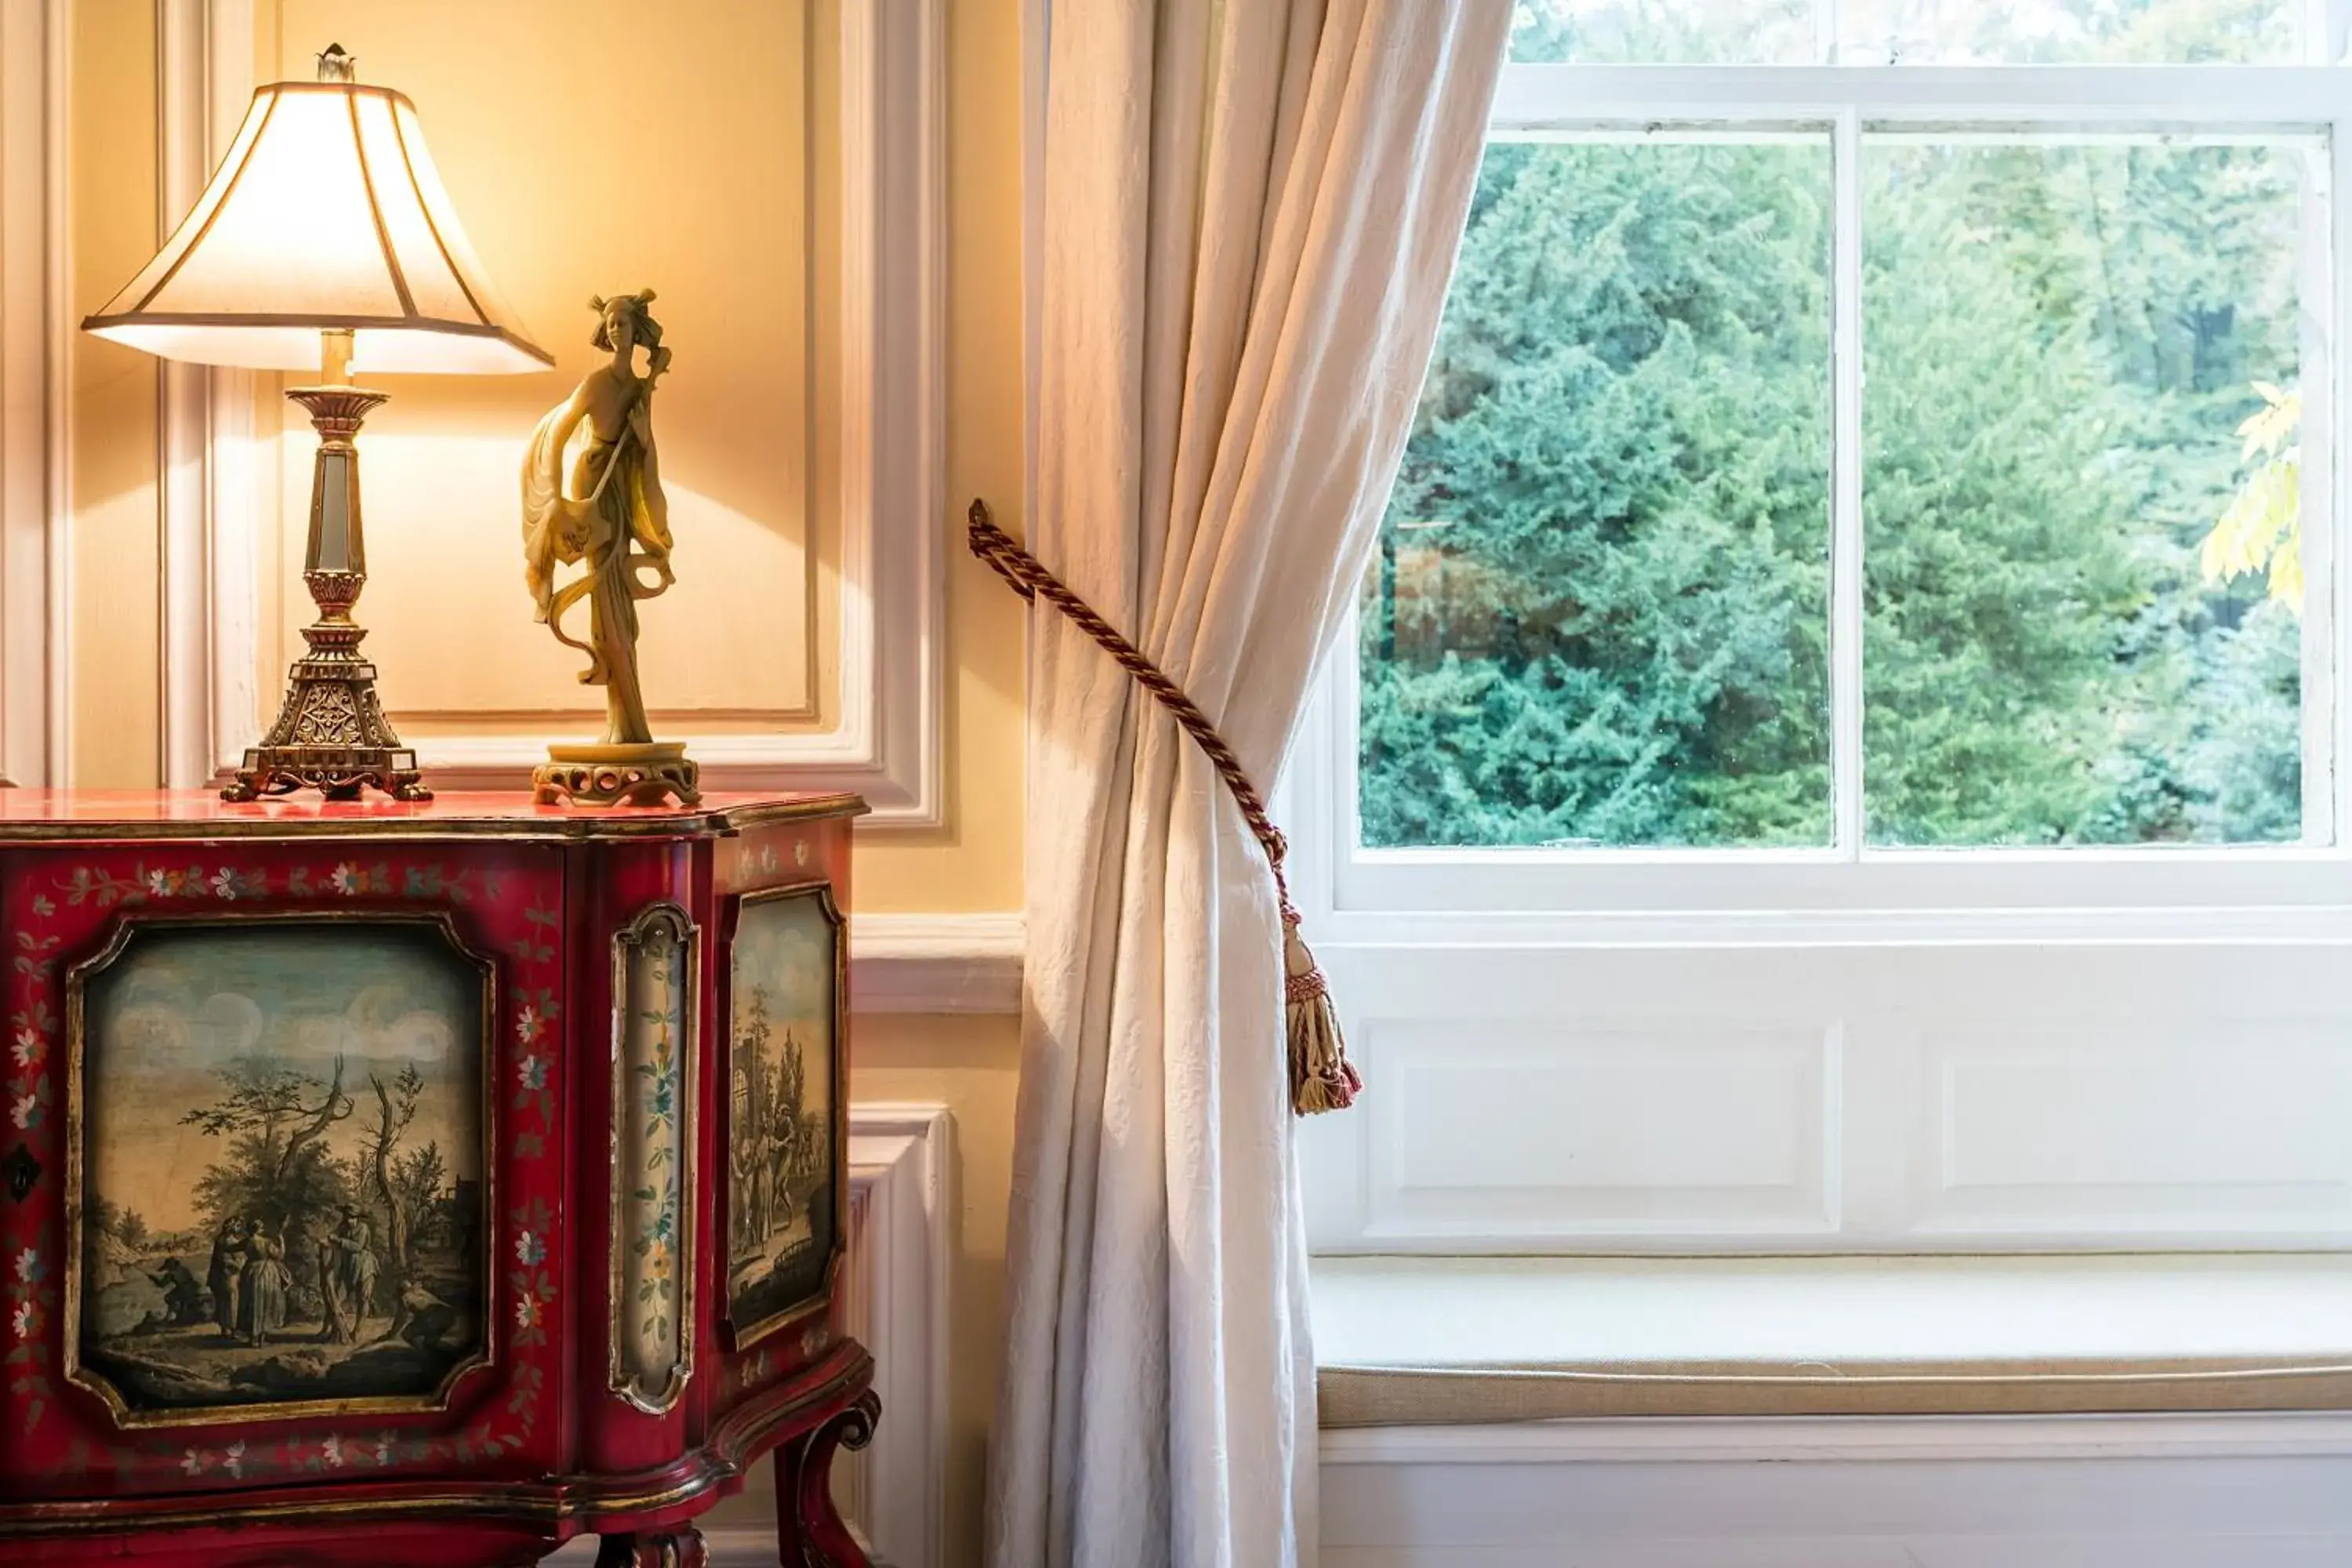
(1250, 213)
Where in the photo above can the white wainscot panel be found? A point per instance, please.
(2139, 1127)
(1549, 1129)
(1839, 1493)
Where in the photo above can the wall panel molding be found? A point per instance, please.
(2155, 1491)
(1943, 1097)
(207, 506)
(2115, 1128)
(894, 1494)
(935, 964)
(891, 453)
(35, 268)
(1523, 1127)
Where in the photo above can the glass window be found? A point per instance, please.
(1600, 611)
(2077, 360)
(1852, 460)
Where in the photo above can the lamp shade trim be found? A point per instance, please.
(327, 213)
(375, 210)
(464, 284)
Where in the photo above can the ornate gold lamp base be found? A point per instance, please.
(331, 735)
(608, 775)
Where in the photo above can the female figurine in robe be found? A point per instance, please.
(615, 518)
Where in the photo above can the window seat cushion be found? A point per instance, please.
(1422, 1341)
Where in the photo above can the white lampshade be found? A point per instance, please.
(327, 213)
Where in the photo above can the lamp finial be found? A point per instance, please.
(336, 66)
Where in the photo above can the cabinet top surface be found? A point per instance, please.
(44, 815)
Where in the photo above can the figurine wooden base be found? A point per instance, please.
(648, 774)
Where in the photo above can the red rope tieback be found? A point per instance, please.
(1321, 1077)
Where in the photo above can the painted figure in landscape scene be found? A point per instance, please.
(227, 1268)
(614, 518)
(297, 1108)
(184, 1298)
(782, 1178)
(261, 1301)
(347, 1278)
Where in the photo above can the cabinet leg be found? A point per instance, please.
(678, 1548)
(808, 1524)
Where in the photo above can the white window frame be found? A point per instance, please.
(1852, 892)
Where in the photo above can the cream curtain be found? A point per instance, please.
(1250, 213)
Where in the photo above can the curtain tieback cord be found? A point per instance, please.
(1321, 1077)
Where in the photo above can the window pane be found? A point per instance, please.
(1599, 615)
(2054, 32)
(1664, 32)
(2081, 587)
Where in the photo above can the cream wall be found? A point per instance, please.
(523, 102)
(116, 711)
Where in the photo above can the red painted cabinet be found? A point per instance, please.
(388, 1183)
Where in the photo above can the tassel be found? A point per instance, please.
(1321, 1077)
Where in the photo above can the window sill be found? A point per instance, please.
(1460, 1340)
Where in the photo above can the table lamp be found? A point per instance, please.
(324, 241)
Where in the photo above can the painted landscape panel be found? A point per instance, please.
(283, 1143)
(781, 1172)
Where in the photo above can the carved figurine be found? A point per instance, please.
(614, 521)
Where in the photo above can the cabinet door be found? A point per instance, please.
(286, 1120)
(782, 1105)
